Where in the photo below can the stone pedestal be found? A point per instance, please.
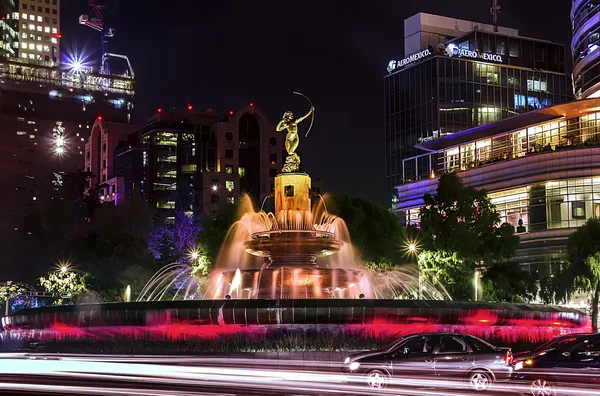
(292, 192)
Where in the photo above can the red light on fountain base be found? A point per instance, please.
(99, 118)
(251, 104)
(190, 107)
(230, 112)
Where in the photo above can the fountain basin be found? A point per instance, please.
(211, 318)
(291, 282)
(293, 247)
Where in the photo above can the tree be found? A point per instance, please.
(507, 282)
(461, 230)
(583, 270)
(64, 283)
(374, 230)
(169, 243)
(214, 227)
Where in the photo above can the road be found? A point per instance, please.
(122, 375)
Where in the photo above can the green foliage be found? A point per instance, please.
(583, 271)
(375, 231)
(10, 289)
(450, 270)
(65, 284)
(506, 282)
(214, 227)
(461, 230)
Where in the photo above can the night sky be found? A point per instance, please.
(223, 54)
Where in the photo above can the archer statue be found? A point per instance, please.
(292, 162)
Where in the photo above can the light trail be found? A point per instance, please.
(156, 375)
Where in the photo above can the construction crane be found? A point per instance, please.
(96, 21)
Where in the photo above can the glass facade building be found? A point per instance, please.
(541, 170)
(585, 18)
(472, 80)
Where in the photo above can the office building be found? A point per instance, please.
(458, 74)
(198, 161)
(38, 29)
(585, 19)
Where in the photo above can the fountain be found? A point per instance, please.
(293, 269)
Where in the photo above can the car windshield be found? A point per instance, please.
(556, 343)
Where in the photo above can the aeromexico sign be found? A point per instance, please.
(451, 50)
(394, 64)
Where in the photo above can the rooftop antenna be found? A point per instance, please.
(495, 10)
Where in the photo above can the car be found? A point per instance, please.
(520, 357)
(568, 367)
(433, 356)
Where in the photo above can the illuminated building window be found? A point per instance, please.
(54, 40)
(31, 27)
(23, 55)
(231, 200)
(168, 174)
(170, 220)
(165, 205)
(24, 45)
(31, 56)
(46, 48)
(32, 17)
(31, 136)
(24, 35)
(241, 171)
(39, 19)
(165, 186)
(54, 31)
(229, 185)
(21, 133)
(229, 169)
(24, 26)
(46, 29)
(31, 46)
(24, 16)
(165, 139)
(39, 28)
(188, 168)
(38, 47)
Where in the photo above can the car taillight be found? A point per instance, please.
(508, 357)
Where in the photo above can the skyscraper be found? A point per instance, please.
(459, 74)
(585, 18)
(38, 29)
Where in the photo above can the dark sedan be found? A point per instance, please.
(434, 355)
(555, 342)
(568, 367)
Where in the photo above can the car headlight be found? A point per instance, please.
(354, 366)
(519, 366)
(345, 361)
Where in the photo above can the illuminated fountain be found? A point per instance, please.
(293, 270)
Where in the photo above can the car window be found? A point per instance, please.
(479, 345)
(422, 344)
(450, 344)
(557, 343)
(587, 350)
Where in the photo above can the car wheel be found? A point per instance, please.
(542, 387)
(377, 379)
(480, 381)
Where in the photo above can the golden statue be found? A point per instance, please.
(292, 162)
